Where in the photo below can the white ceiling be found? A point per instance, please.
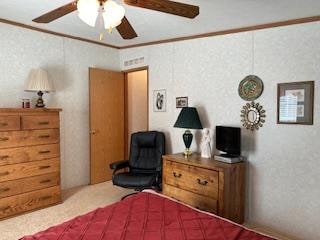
(215, 15)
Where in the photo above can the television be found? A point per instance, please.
(228, 140)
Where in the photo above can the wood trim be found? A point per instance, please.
(204, 35)
(126, 142)
(137, 69)
(229, 31)
(17, 24)
(29, 110)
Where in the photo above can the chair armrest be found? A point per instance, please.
(119, 164)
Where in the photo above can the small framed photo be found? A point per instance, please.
(181, 102)
(159, 100)
(295, 103)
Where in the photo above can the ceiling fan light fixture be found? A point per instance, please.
(113, 14)
(88, 11)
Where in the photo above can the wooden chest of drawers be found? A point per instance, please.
(206, 184)
(29, 160)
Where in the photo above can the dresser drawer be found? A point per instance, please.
(195, 200)
(28, 154)
(22, 170)
(8, 123)
(196, 179)
(40, 122)
(24, 185)
(28, 138)
(29, 201)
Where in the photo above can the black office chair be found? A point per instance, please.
(145, 162)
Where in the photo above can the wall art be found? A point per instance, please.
(159, 100)
(295, 103)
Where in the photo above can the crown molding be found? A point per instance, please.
(229, 31)
(17, 24)
(204, 35)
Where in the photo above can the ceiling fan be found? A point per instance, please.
(123, 26)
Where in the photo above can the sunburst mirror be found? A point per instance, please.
(252, 116)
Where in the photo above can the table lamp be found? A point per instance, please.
(38, 82)
(189, 119)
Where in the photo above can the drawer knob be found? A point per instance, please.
(202, 182)
(44, 136)
(44, 167)
(4, 173)
(4, 124)
(44, 152)
(177, 175)
(45, 181)
(3, 139)
(4, 190)
(43, 123)
(4, 157)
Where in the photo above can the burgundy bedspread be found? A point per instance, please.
(147, 216)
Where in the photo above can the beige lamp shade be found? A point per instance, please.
(38, 81)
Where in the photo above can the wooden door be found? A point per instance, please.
(106, 122)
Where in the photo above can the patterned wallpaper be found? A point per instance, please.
(67, 62)
(283, 167)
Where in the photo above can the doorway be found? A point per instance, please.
(136, 104)
(118, 107)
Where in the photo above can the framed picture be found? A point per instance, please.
(295, 103)
(181, 102)
(159, 100)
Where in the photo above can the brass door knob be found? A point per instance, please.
(93, 132)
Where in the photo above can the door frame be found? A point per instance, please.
(126, 72)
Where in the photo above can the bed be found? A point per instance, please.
(148, 216)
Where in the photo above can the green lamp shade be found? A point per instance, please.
(188, 118)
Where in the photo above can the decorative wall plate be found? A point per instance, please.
(250, 88)
(252, 116)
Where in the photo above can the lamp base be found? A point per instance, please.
(187, 139)
(40, 103)
(187, 152)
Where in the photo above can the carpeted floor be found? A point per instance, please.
(76, 201)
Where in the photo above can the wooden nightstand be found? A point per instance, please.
(206, 184)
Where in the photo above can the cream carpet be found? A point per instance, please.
(76, 201)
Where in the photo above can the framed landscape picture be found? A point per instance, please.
(159, 100)
(181, 102)
(295, 103)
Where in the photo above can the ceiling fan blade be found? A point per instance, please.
(126, 30)
(57, 13)
(175, 8)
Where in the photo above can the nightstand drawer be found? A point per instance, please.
(28, 154)
(28, 138)
(195, 200)
(40, 122)
(22, 170)
(29, 201)
(9, 123)
(196, 179)
(24, 185)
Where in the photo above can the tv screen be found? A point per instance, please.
(228, 140)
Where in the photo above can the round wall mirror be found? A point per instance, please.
(252, 116)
